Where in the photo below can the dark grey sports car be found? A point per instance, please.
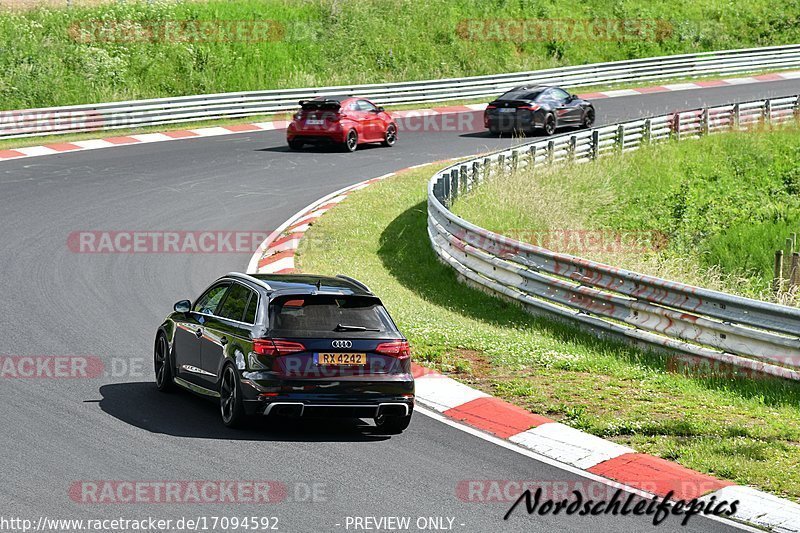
(524, 109)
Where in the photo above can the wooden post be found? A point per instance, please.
(573, 143)
(735, 117)
(704, 122)
(532, 155)
(551, 152)
(777, 280)
(595, 144)
(620, 140)
(647, 131)
(768, 113)
(794, 273)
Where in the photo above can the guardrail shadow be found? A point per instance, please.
(182, 414)
(406, 253)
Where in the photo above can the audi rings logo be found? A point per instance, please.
(342, 344)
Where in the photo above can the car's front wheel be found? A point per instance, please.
(231, 405)
(390, 137)
(162, 366)
(392, 425)
(588, 118)
(351, 141)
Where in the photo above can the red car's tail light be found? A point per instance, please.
(398, 349)
(273, 347)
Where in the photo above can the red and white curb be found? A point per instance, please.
(545, 437)
(111, 142)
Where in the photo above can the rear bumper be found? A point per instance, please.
(514, 122)
(297, 409)
(346, 396)
(316, 135)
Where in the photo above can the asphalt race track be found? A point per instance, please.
(56, 432)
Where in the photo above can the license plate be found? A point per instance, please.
(507, 110)
(314, 122)
(343, 359)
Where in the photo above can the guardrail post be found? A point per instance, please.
(462, 185)
(768, 113)
(453, 186)
(797, 108)
(573, 143)
(647, 132)
(487, 167)
(551, 152)
(514, 160)
(532, 155)
(675, 131)
(704, 122)
(475, 178)
(501, 164)
(619, 141)
(595, 144)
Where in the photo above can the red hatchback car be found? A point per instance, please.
(344, 120)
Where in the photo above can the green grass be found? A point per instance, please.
(724, 205)
(324, 42)
(746, 431)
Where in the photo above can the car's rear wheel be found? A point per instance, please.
(390, 137)
(162, 366)
(351, 141)
(392, 425)
(588, 118)
(550, 125)
(296, 144)
(231, 405)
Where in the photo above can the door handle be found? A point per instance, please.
(199, 333)
(223, 341)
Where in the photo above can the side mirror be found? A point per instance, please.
(381, 109)
(573, 97)
(184, 306)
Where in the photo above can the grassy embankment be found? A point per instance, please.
(45, 61)
(720, 207)
(745, 431)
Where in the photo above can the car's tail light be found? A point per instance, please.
(266, 350)
(532, 107)
(491, 107)
(273, 347)
(398, 349)
(298, 115)
(335, 117)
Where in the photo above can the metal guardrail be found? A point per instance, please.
(106, 116)
(751, 334)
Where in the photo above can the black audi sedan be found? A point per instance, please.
(291, 345)
(524, 109)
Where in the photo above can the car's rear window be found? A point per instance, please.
(316, 105)
(329, 316)
(521, 95)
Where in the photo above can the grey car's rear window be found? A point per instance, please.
(521, 95)
(319, 315)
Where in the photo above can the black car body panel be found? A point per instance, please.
(277, 331)
(525, 109)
